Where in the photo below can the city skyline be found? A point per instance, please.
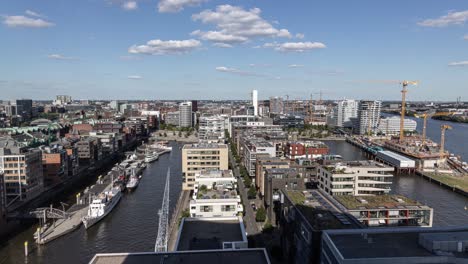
(223, 49)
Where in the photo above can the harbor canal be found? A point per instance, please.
(130, 227)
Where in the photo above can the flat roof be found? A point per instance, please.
(387, 243)
(394, 155)
(254, 255)
(205, 234)
(205, 146)
(390, 201)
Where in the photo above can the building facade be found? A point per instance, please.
(212, 127)
(368, 117)
(202, 157)
(391, 125)
(344, 111)
(253, 147)
(355, 178)
(185, 114)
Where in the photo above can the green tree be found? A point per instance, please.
(261, 215)
(247, 181)
(252, 193)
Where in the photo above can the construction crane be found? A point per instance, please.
(403, 106)
(425, 116)
(442, 139)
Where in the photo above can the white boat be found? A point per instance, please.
(151, 157)
(133, 182)
(102, 206)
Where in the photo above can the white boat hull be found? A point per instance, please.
(90, 221)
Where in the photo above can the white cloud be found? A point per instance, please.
(458, 63)
(173, 6)
(130, 5)
(295, 66)
(59, 57)
(300, 35)
(295, 46)
(216, 36)
(465, 37)
(236, 25)
(24, 21)
(244, 73)
(34, 14)
(134, 77)
(161, 47)
(222, 45)
(452, 18)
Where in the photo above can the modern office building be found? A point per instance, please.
(391, 125)
(276, 105)
(24, 108)
(215, 195)
(23, 172)
(185, 114)
(344, 111)
(212, 127)
(201, 157)
(395, 245)
(368, 117)
(355, 178)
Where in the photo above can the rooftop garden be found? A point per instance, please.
(353, 202)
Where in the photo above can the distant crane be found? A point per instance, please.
(425, 116)
(442, 139)
(163, 227)
(403, 106)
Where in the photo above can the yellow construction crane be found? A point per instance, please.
(425, 116)
(442, 139)
(403, 106)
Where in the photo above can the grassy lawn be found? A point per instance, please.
(351, 202)
(455, 181)
(296, 197)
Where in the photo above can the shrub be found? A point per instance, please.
(261, 215)
(252, 193)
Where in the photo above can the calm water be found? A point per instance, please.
(131, 226)
(448, 206)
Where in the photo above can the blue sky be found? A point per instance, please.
(209, 49)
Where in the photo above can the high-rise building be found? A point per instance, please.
(185, 114)
(255, 101)
(201, 157)
(368, 117)
(276, 105)
(344, 111)
(194, 106)
(24, 108)
(63, 99)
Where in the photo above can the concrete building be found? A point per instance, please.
(344, 111)
(276, 105)
(289, 121)
(355, 178)
(255, 102)
(253, 147)
(201, 157)
(185, 114)
(215, 195)
(212, 127)
(172, 118)
(368, 117)
(395, 245)
(386, 210)
(23, 172)
(264, 162)
(24, 108)
(88, 150)
(391, 125)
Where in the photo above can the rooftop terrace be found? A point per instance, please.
(375, 202)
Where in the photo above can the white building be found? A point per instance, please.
(368, 117)
(355, 178)
(185, 114)
(344, 111)
(212, 127)
(253, 147)
(255, 101)
(391, 125)
(215, 195)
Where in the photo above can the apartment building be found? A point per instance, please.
(391, 125)
(55, 165)
(23, 172)
(185, 114)
(201, 157)
(88, 150)
(215, 195)
(264, 162)
(368, 117)
(212, 127)
(355, 178)
(251, 148)
(343, 112)
(305, 149)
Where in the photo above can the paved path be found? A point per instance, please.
(249, 217)
(182, 204)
